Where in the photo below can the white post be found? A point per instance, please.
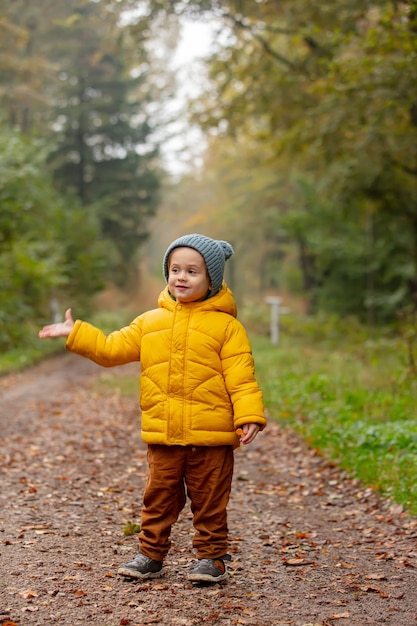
(276, 310)
(55, 313)
(274, 301)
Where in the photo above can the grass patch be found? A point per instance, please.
(355, 404)
(21, 358)
(116, 381)
(130, 528)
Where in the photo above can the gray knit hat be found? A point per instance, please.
(214, 253)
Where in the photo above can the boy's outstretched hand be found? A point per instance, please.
(61, 329)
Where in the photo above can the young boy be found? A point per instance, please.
(197, 388)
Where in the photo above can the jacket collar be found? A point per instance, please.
(223, 301)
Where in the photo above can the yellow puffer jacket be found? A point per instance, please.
(197, 381)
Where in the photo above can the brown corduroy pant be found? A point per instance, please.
(204, 474)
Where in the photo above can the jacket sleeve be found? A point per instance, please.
(239, 375)
(117, 348)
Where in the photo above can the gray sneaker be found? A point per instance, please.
(141, 567)
(210, 570)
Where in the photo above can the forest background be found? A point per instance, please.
(307, 113)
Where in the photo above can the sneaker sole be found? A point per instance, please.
(206, 578)
(132, 573)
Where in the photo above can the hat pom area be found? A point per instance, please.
(227, 249)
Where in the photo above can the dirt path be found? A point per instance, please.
(309, 546)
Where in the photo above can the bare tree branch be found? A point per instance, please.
(265, 45)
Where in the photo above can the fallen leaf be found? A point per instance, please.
(295, 562)
(370, 588)
(376, 577)
(28, 593)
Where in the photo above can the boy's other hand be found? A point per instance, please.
(249, 433)
(61, 329)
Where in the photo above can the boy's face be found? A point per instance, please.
(188, 280)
